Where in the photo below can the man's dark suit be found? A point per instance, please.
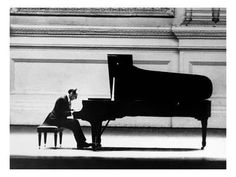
(59, 115)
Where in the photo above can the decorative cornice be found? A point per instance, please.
(205, 17)
(125, 12)
(81, 31)
(203, 32)
(180, 32)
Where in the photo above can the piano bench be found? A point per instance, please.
(49, 129)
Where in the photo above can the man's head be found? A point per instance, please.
(72, 94)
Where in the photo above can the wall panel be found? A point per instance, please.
(39, 75)
(213, 65)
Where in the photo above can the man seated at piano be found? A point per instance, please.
(59, 117)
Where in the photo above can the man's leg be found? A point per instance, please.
(74, 125)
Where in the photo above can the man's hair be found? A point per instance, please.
(73, 91)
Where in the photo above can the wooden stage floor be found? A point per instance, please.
(123, 148)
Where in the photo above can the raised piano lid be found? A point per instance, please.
(114, 63)
(132, 83)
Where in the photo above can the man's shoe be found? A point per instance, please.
(83, 145)
(96, 146)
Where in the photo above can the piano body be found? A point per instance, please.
(139, 92)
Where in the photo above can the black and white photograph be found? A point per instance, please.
(117, 87)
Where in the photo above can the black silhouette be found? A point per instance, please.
(139, 92)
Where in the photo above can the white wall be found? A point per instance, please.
(45, 67)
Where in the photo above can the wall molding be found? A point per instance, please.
(179, 32)
(82, 31)
(190, 47)
(86, 61)
(92, 46)
(205, 63)
(199, 32)
(99, 12)
(103, 46)
(208, 63)
(47, 60)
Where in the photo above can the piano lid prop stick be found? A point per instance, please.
(113, 89)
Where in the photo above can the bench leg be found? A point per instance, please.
(60, 137)
(45, 138)
(39, 139)
(55, 139)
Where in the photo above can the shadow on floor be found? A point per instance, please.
(131, 149)
(145, 149)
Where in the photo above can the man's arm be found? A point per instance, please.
(62, 108)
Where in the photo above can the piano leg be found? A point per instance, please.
(204, 132)
(96, 128)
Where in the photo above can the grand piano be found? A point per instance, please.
(138, 92)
